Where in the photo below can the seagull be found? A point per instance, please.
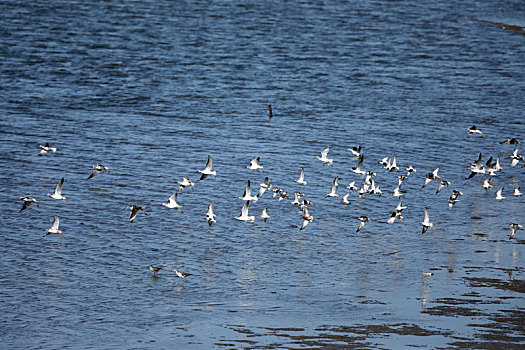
(426, 222)
(297, 198)
(516, 158)
(323, 158)
(47, 148)
(351, 186)
(516, 192)
(172, 203)
(334, 188)
(374, 188)
(393, 166)
(358, 169)
(207, 171)
(182, 275)
(307, 218)
(58, 192)
(264, 186)
(513, 228)
(97, 169)
(356, 151)
(247, 195)
(474, 130)
(498, 195)
(134, 210)
(431, 176)
(442, 183)
(397, 192)
(54, 228)
(477, 167)
(364, 220)
(29, 200)
(345, 199)
(385, 162)
(210, 216)
(512, 141)
(155, 269)
(487, 183)
(254, 165)
(264, 215)
(300, 180)
(244, 213)
(400, 207)
(185, 182)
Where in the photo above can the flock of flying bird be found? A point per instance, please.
(369, 186)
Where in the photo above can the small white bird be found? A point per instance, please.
(410, 169)
(182, 275)
(172, 203)
(356, 151)
(54, 228)
(516, 158)
(487, 183)
(244, 213)
(210, 216)
(134, 210)
(254, 165)
(364, 220)
(345, 199)
(29, 200)
(359, 168)
(97, 169)
(307, 218)
(300, 180)
(264, 215)
(513, 228)
(185, 182)
(208, 170)
(517, 192)
(323, 158)
(247, 195)
(474, 130)
(499, 195)
(400, 207)
(334, 188)
(47, 148)
(393, 166)
(352, 186)
(397, 192)
(58, 192)
(426, 222)
(263, 187)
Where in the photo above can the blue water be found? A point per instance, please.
(151, 88)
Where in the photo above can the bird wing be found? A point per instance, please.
(244, 210)
(56, 222)
(95, 172)
(361, 224)
(209, 164)
(426, 218)
(324, 153)
(58, 189)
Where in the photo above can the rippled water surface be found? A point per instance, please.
(151, 88)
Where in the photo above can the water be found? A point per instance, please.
(150, 88)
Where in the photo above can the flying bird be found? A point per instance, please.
(254, 164)
(431, 176)
(47, 148)
(27, 202)
(208, 171)
(58, 192)
(244, 213)
(474, 130)
(210, 216)
(307, 218)
(426, 222)
(300, 180)
(97, 169)
(185, 182)
(324, 157)
(134, 210)
(364, 220)
(54, 228)
(264, 215)
(513, 228)
(499, 195)
(172, 203)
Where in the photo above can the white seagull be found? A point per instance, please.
(359, 169)
(47, 148)
(487, 183)
(244, 213)
(356, 151)
(172, 203)
(517, 192)
(345, 199)
(210, 216)
(300, 180)
(323, 158)
(29, 200)
(264, 215)
(58, 192)
(185, 182)
(334, 188)
(97, 169)
(474, 130)
(54, 228)
(499, 195)
(426, 222)
(208, 171)
(254, 165)
(247, 195)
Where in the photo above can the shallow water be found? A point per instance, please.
(149, 89)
